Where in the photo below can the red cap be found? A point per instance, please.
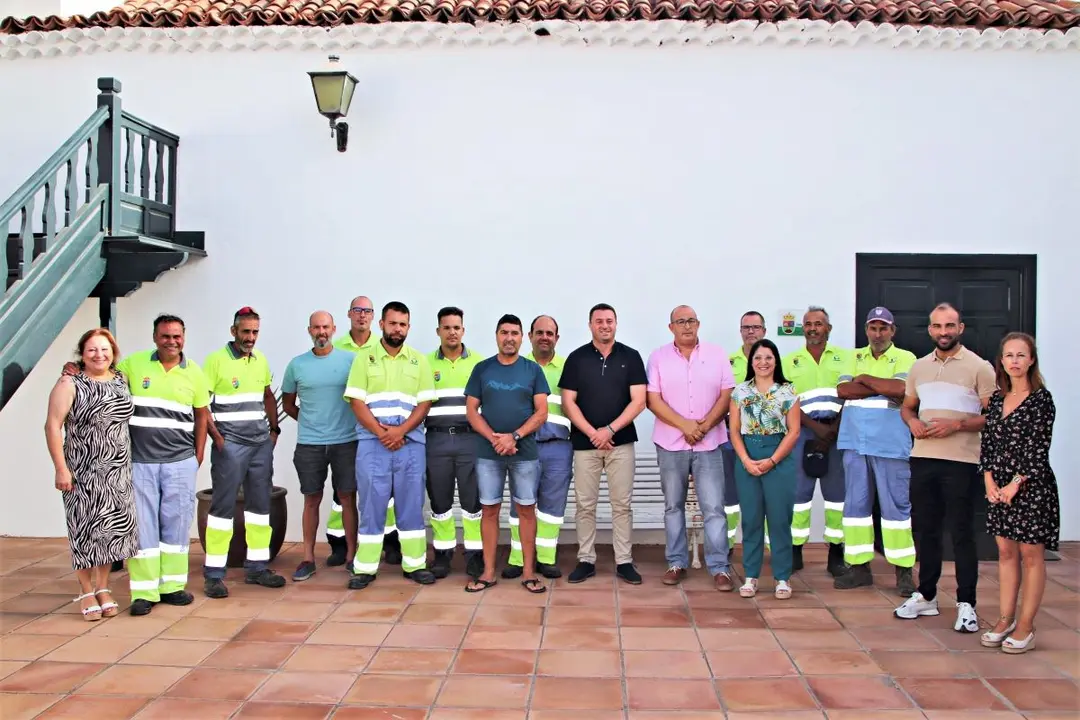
(246, 310)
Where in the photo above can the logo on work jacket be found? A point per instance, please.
(836, 358)
(438, 376)
(236, 383)
(858, 356)
(795, 362)
(371, 359)
(145, 383)
(414, 361)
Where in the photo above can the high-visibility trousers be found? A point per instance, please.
(164, 506)
(890, 479)
(380, 473)
(451, 462)
(832, 490)
(556, 471)
(250, 467)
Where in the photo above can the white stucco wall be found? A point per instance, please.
(535, 179)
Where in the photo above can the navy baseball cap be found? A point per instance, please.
(880, 314)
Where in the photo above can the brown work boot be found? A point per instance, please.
(674, 575)
(723, 582)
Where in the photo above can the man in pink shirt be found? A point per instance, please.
(689, 390)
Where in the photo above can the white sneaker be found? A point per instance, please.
(915, 606)
(966, 619)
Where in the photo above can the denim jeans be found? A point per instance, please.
(708, 471)
(491, 479)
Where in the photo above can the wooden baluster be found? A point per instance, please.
(171, 202)
(48, 220)
(26, 237)
(129, 162)
(71, 190)
(159, 173)
(144, 170)
(91, 167)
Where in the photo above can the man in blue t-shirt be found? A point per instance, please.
(326, 438)
(513, 392)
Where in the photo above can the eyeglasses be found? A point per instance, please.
(751, 328)
(362, 310)
(686, 322)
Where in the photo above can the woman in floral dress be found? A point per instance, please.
(1024, 514)
(764, 421)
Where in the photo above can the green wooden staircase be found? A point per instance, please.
(98, 219)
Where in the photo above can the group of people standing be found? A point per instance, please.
(390, 425)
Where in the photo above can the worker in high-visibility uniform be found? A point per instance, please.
(451, 449)
(244, 428)
(359, 338)
(556, 456)
(391, 390)
(876, 445)
(815, 370)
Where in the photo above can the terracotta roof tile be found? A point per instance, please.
(1035, 14)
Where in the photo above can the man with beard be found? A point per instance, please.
(876, 445)
(603, 390)
(512, 393)
(390, 390)
(244, 428)
(556, 457)
(946, 392)
(815, 371)
(451, 449)
(359, 339)
(326, 435)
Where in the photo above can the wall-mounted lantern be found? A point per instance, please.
(333, 94)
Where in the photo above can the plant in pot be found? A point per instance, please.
(279, 515)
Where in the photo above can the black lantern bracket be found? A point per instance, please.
(334, 88)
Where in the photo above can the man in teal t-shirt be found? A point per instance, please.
(326, 439)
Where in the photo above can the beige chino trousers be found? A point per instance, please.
(618, 465)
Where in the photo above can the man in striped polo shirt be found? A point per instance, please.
(556, 460)
(451, 449)
(390, 389)
(244, 428)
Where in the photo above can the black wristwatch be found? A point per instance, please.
(516, 436)
(274, 430)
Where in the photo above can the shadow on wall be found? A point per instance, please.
(14, 376)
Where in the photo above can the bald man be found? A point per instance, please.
(326, 439)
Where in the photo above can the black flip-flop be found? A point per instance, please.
(534, 585)
(484, 585)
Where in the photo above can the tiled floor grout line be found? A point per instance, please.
(457, 651)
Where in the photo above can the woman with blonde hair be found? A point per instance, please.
(1024, 514)
(87, 435)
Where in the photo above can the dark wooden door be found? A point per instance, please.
(995, 295)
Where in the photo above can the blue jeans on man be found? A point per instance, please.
(676, 467)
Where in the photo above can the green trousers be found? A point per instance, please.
(768, 497)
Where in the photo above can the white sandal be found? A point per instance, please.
(749, 588)
(992, 639)
(783, 590)
(108, 609)
(1012, 646)
(92, 613)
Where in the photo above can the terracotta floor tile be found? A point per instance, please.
(34, 603)
(93, 649)
(308, 687)
(654, 617)
(500, 638)
(425, 636)
(577, 715)
(337, 633)
(390, 594)
(30, 647)
(495, 662)
(87, 707)
(566, 693)
(734, 640)
(447, 594)
(638, 596)
(1063, 661)
(567, 597)
(676, 715)
(774, 695)
(491, 691)
(919, 664)
(952, 640)
(358, 712)
(508, 616)
(199, 628)
(638, 638)
(283, 711)
(236, 607)
(278, 631)
(950, 694)
(742, 618)
(297, 611)
(180, 653)
(782, 715)
(438, 615)
(800, 619)
(580, 663)
(366, 612)
(167, 708)
(9, 667)
(414, 690)
(215, 684)
(665, 664)
(982, 715)
(1040, 695)
(249, 655)
(711, 601)
(654, 694)
(793, 640)
(49, 677)
(441, 713)
(56, 624)
(329, 658)
(857, 693)
(580, 638)
(1000, 665)
(314, 594)
(143, 680)
(750, 663)
(415, 661)
(909, 638)
(24, 706)
(125, 625)
(891, 715)
(559, 616)
(835, 662)
(510, 592)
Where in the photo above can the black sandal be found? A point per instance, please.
(534, 585)
(484, 585)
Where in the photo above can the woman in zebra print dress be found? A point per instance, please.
(87, 435)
